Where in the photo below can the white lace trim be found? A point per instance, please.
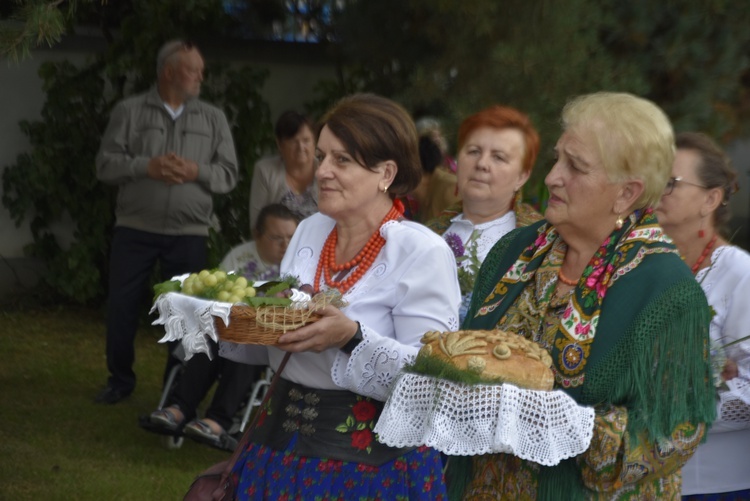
(189, 320)
(373, 365)
(466, 420)
(739, 389)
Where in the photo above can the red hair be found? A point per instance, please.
(504, 117)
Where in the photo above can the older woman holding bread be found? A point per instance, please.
(398, 280)
(694, 211)
(602, 289)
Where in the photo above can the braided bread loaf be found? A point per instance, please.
(494, 355)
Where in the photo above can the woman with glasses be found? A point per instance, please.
(694, 211)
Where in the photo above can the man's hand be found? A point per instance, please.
(172, 169)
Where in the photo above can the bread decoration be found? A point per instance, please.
(494, 356)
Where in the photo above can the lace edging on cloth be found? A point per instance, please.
(189, 320)
(464, 420)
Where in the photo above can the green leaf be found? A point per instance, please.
(165, 287)
(259, 301)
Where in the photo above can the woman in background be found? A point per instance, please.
(694, 211)
(497, 148)
(289, 177)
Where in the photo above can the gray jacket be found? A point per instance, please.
(139, 129)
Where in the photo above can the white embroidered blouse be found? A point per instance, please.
(410, 289)
(489, 232)
(720, 464)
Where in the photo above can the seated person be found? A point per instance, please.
(256, 260)
(259, 259)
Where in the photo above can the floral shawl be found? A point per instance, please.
(635, 311)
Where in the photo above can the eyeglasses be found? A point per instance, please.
(673, 182)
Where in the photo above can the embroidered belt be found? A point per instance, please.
(331, 424)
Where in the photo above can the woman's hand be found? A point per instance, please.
(730, 370)
(333, 330)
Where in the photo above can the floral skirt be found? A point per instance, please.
(262, 473)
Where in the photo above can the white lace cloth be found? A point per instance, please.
(466, 420)
(190, 320)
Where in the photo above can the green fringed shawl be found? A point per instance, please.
(650, 353)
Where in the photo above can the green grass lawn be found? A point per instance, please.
(55, 443)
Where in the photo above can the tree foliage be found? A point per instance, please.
(56, 179)
(34, 23)
(451, 58)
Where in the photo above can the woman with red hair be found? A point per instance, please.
(497, 148)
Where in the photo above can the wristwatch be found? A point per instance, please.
(348, 348)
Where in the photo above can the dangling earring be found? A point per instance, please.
(618, 224)
(385, 189)
(702, 233)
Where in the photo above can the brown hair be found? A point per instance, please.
(374, 129)
(279, 211)
(504, 117)
(290, 123)
(715, 170)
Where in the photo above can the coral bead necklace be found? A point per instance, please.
(562, 278)
(362, 261)
(704, 254)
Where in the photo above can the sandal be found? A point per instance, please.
(165, 420)
(201, 431)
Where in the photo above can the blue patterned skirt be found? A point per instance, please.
(262, 473)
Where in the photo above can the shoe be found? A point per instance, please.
(165, 420)
(200, 431)
(110, 395)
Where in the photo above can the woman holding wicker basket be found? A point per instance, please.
(397, 279)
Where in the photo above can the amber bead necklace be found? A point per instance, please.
(363, 260)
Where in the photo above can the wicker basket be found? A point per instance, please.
(264, 325)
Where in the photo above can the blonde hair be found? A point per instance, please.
(634, 138)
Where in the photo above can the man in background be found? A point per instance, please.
(167, 152)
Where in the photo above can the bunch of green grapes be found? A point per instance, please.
(219, 286)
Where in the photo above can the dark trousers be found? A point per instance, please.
(234, 382)
(133, 257)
